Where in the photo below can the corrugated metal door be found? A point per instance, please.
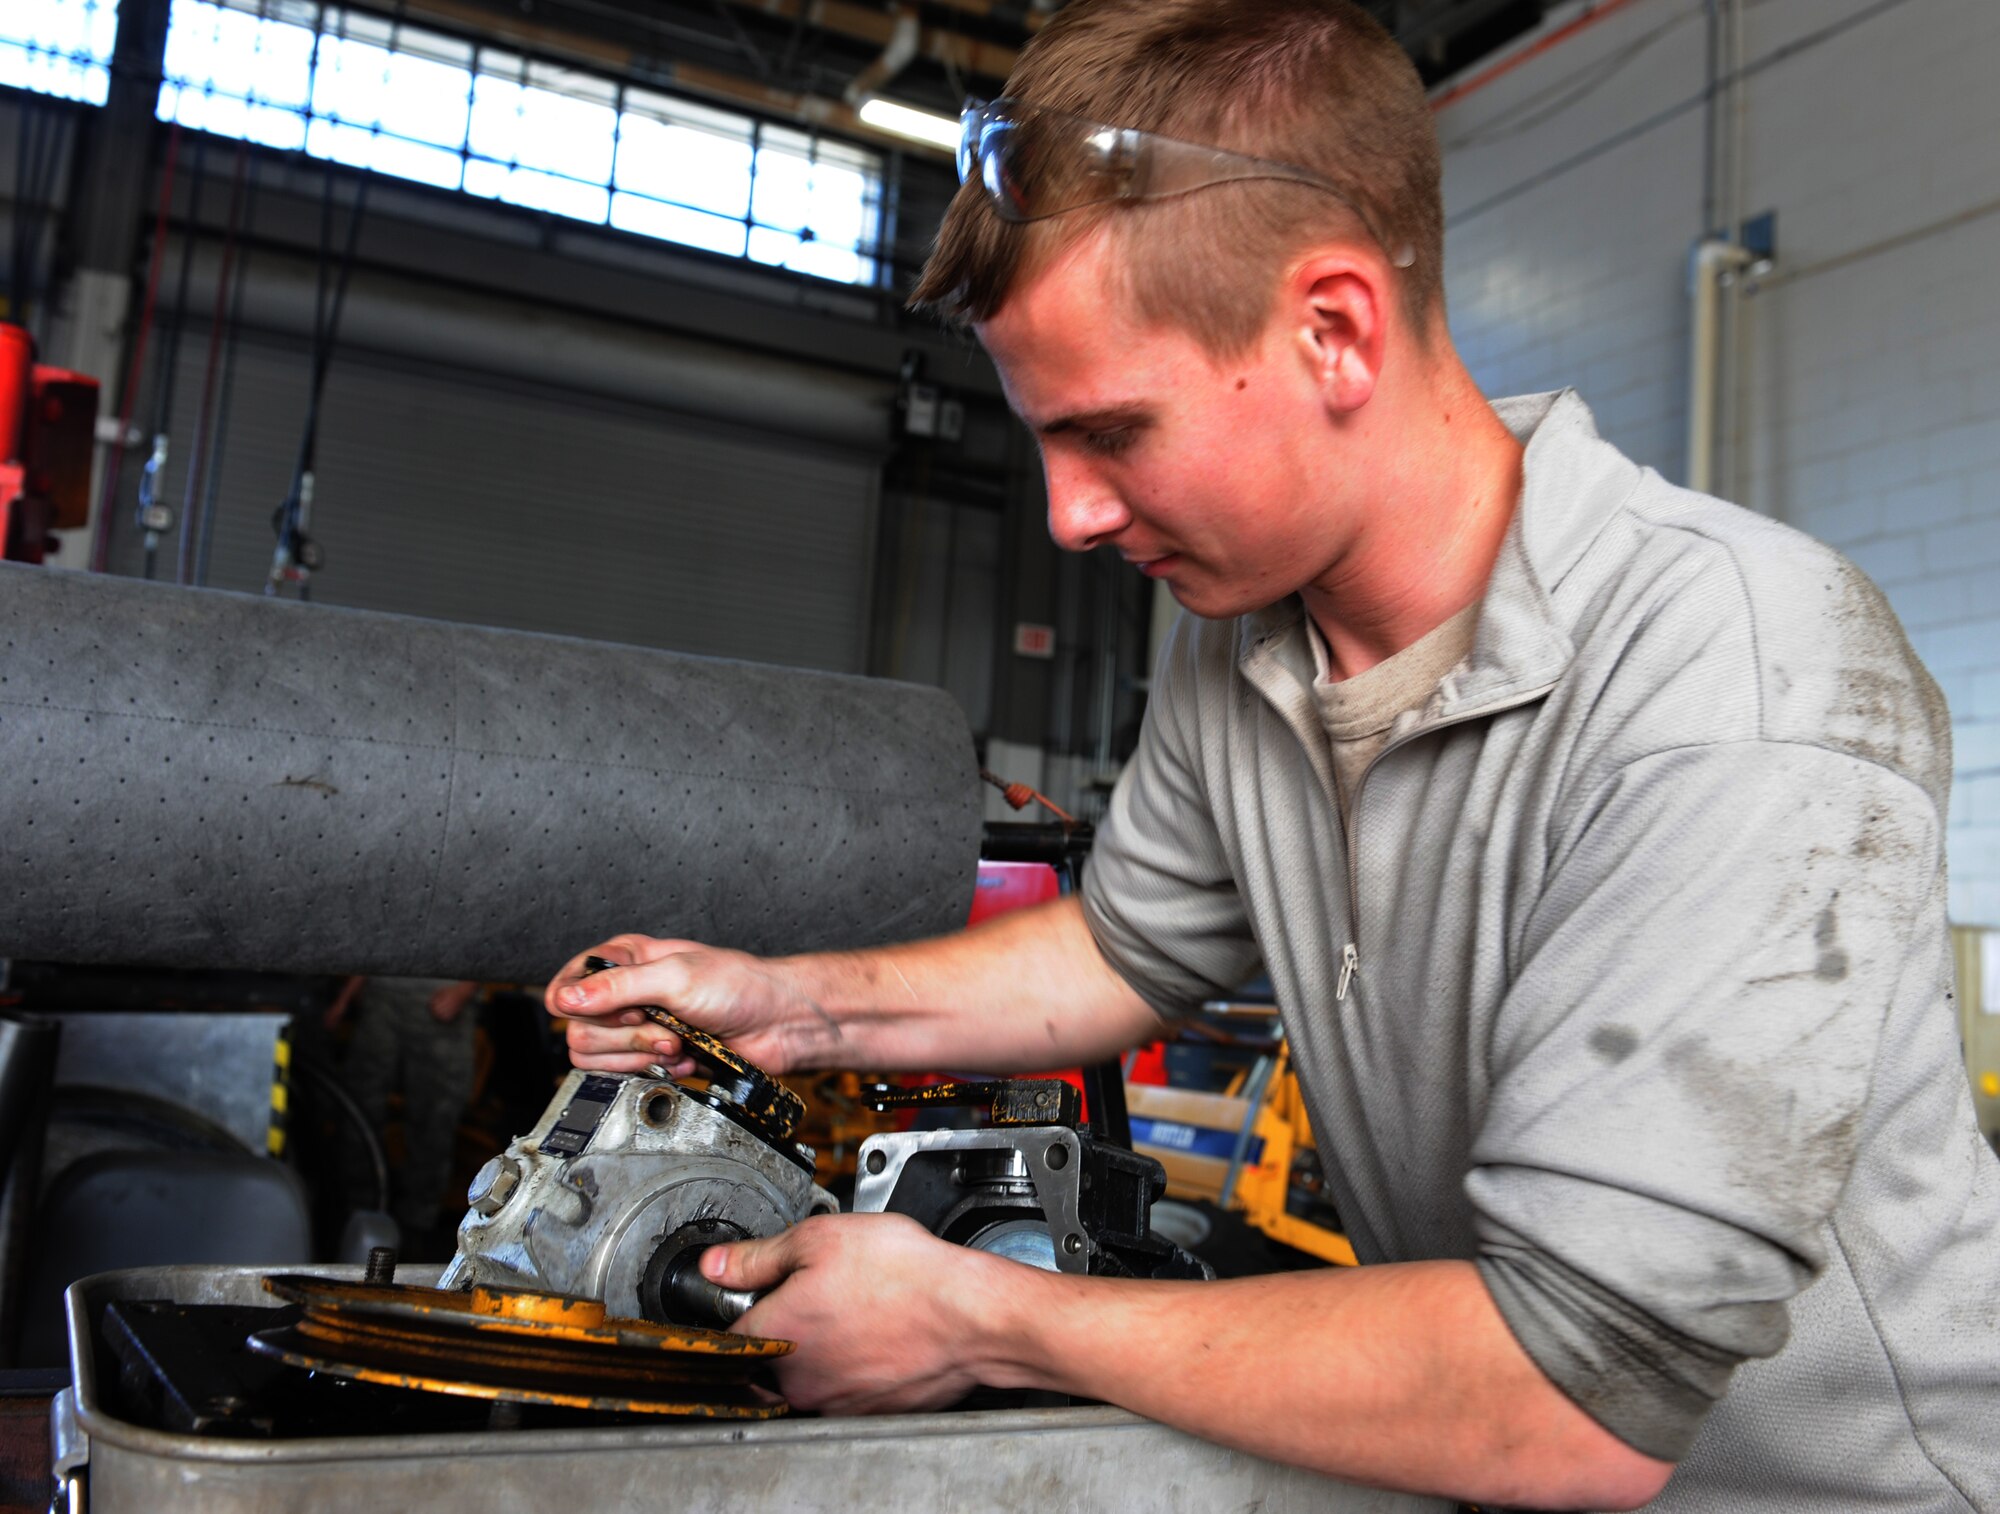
(469, 498)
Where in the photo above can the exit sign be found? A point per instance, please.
(1034, 641)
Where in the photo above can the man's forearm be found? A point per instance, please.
(1402, 1376)
(1027, 992)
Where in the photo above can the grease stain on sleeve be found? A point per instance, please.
(1614, 1043)
(1832, 964)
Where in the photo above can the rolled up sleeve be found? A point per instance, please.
(1680, 1065)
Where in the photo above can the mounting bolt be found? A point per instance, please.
(876, 1162)
(493, 1185)
(381, 1265)
(1073, 1243)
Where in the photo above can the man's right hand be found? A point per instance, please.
(1024, 993)
(751, 1003)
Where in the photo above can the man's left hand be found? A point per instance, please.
(885, 1315)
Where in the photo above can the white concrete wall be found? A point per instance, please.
(1869, 406)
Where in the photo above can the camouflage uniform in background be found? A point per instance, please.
(400, 1045)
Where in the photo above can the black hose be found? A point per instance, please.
(38, 154)
(217, 329)
(135, 362)
(17, 272)
(151, 487)
(213, 482)
(163, 393)
(326, 334)
(327, 1084)
(157, 1122)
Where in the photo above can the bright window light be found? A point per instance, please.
(59, 47)
(238, 75)
(361, 89)
(918, 125)
(692, 156)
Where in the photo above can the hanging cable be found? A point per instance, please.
(34, 186)
(14, 260)
(155, 516)
(62, 135)
(297, 554)
(198, 446)
(135, 368)
(220, 430)
(17, 273)
(40, 147)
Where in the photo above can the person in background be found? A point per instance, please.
(413, 1036)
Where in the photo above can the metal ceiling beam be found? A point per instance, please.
(712, 83)
(1432, 25)
(1029, 19)
(950, 48)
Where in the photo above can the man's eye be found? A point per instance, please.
(1109, 443)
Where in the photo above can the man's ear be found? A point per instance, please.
(1338, 309)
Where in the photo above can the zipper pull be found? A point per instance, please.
(1350, 960)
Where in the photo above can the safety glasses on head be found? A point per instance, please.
(1036, 162)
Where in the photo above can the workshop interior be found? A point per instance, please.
(470, 484)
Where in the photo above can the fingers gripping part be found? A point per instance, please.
(765, 1103)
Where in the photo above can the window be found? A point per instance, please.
(59, 47)
(360, 89)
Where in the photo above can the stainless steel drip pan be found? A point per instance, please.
(992, 1461)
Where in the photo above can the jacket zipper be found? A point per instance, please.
(1350, 953)
(1350, 960)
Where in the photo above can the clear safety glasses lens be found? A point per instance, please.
(1035, 162)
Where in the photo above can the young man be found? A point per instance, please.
(1591, 832)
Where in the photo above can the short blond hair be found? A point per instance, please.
(1317, 83)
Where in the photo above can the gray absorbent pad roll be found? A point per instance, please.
(200, 779)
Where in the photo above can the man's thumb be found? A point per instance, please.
(754, 1265)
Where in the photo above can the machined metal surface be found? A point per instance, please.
(607, 1183)
(1023, 1461)
(517, 1346)
(917, 1173)
(1048, 1195)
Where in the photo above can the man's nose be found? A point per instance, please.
(1084, 510)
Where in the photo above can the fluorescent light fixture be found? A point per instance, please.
(918, 125)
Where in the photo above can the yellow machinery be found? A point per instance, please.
(837, 1121)
(1977, 954)
(1282, 1193)
(1248, 1148)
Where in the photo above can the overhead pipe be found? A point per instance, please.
(1714, 263)
(1032, 19)
(865, 24)
(1716, 357)
(896, 56)
(1532, 50)
(586, 354)
(720, 84)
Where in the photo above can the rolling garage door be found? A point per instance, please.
(498, 502)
